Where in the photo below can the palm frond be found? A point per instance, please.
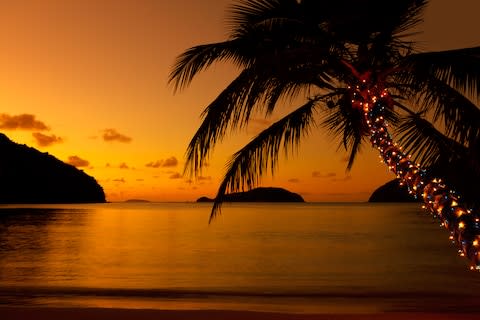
(461, 117)
(408, 15)
(270, 13)
(425, 143)
(357, 22)
(458, 68)
(355, 146)
(261, 154)
(198, 58)
(254, 89)
(346, 122)
(226, 110)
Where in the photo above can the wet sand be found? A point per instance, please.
(45, 313)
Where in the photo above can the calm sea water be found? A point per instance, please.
(311, 257)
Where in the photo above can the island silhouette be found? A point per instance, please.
(261, 194)
(30, 176)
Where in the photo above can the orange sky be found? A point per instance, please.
(86, 81)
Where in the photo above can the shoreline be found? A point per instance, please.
(78, 313)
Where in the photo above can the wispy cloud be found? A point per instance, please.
(294, 180)
(318, 174)
(167, 163)
(44, 140)
(202, 178)
(21, 122)
(76, 161)
(121, 180)
(111, 135)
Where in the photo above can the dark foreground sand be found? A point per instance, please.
(41, 313)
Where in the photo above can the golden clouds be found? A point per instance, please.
(28, 122)
(21, 122)
(111, 135)
(44, 140)
(167, 163)
(77, 161)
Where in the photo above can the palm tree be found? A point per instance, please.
(356, 69)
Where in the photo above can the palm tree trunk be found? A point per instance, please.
(443, 203)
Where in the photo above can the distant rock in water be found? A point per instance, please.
(30, 176)
(137, 200)
(260, 195)
(391, 192)
(204, 199)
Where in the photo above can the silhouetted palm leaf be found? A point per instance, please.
(201, 57)
(461, 117)
(458, 68)
(346, 122)
(422, 140)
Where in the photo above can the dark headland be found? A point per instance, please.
(262, 194)
(462, 176)
(391, 192)
(30, 176)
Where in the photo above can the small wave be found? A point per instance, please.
(18, 291)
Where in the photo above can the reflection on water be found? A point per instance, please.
(26, 242)
(285, 255)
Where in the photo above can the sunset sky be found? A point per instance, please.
(86, 81)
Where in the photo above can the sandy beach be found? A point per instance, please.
(43, 313)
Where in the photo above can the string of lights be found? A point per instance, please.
(442, 202)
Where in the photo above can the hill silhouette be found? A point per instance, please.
(30, 176)
(391, 192)
(462, 175)
(261, 194)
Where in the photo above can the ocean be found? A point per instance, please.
(285, 257)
